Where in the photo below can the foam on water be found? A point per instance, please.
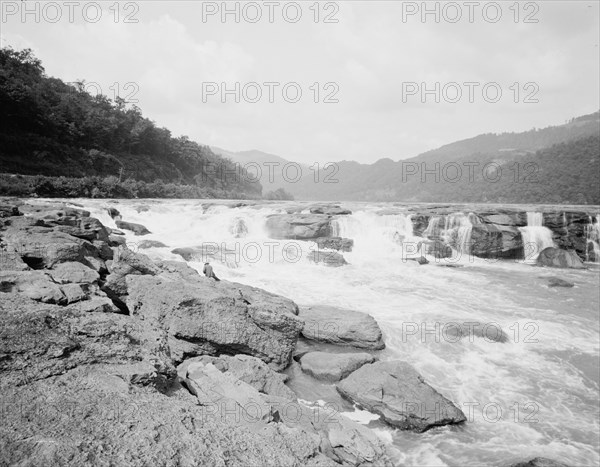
(540, 400)
(536, 237)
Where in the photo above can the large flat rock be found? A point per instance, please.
(250, 370)
(341, 327)
(201, 316)
(557, 258)
(333, 367)
(399, 394)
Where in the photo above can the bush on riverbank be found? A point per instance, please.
(107, 187)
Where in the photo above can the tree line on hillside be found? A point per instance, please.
(563, 173)
(54, 129)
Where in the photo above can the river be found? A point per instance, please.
(535, 395)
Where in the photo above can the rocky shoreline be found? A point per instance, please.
(110, 358)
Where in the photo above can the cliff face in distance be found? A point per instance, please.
(48, 127)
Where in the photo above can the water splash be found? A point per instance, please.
(536, 237)
(592, 240)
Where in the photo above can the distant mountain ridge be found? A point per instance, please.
(261, 164)
(535, 166)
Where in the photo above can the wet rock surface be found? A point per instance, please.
(341, 327)
(87, 382)
(328, 258)
(335, 243)
(557, 258)
(395, 390)
(137, 229)
(333, 367)
(540, 462)
(299, 226)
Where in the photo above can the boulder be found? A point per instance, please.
(74, 379)
(87, 228)
(45, 249)
(540, 462)
(557, 258)
(333, 367)
(11, 261)
(439, 249)
(42, 340)
(35, 285)
(340, 439)
(145, 244)
(399, 394)
(250, 370)
(114, 213)
(88, 417)
(53, 211)
(341, 327)
(328, 258)
(7, 210)
(74, 293)
(126, 263)
(496, 241)
(235, 403)
(238, 403)
(104, 249)
(116, 240)
(142, 208)
(421, 260)
(210, 252)
(96, 264)
(137, 229)
(491, 332)
(330, 210)
(558, 282)
(335, 243)
(419, 223)
(299, 226)
(204, 317)
(96, 304)
(507, 218)
(64, 273)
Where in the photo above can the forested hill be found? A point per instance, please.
(558, 164)
(527, 141)
(51, 128)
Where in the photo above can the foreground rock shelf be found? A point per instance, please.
(92, 334)
(110, 358)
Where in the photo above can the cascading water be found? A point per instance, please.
(541, 387)
(456, 230)
(592, 240)
(376, 237)
(536, 237)
(459, 228)
(433, 230)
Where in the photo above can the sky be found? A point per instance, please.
(325, 81)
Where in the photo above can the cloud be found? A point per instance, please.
(368, 53)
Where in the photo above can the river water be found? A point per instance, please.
(535, 395)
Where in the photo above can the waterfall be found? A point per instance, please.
(592, 240)
(536, 237)
(376, 236)
(458, 229)
(433, 229)
(238, 228)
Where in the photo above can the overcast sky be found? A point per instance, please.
(372, 49)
